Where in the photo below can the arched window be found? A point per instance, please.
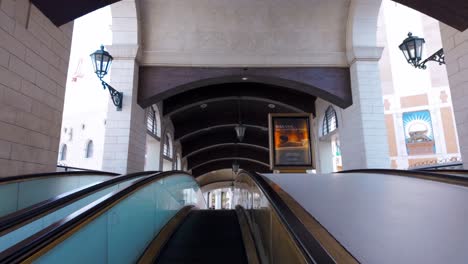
(330, 122)
(89, 151)
(153, 125)
(63, 152)
(167, 150)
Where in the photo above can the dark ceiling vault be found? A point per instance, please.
(227, 163)
(287, 98)
(204, 121)
(230, 151)
(451, 12)
(223, 136)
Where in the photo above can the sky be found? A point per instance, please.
(90, 32)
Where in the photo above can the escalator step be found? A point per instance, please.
(206, 236)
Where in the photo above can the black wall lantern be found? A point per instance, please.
(412, 48)
(102, 61)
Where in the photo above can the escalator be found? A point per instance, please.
(19, 192)
(163, 218)
(206, 236)
(26, 221)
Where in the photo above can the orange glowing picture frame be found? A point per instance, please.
(290, 141)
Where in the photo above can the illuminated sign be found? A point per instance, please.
(290, 142)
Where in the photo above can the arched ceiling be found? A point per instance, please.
(227, 163)
(191, 119)
(254, 137)
(204, 121)
(452, 13)
(287, 98)
(228, 152)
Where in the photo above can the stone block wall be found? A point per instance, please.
(34, 57)
(455, 45)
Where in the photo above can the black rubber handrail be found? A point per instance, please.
(311, 248)
(21, 217)
(67, 168)
(460, 180)
(445, 171)
(53, 174)
(40, 240)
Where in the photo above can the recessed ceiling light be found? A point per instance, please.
(271, 106)
(245, 78)
(203, 106)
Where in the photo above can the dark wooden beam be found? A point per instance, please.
(330, 83)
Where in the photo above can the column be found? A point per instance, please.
(363, 132)
(125, 136)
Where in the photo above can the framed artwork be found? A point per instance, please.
(419, 134)
(290, 141)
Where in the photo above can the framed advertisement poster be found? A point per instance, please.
(290, 142)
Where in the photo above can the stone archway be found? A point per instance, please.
(367, 112)
(125, 132)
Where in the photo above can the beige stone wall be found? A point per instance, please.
(244, 33)
(414, 101)
(34, 58)
(392, 144)
(456, 56)
(450, 131)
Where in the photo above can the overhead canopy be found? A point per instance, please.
(451, 12)
(63, 11)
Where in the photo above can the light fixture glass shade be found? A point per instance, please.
(240, 131)
(102, 61)
(235, 167)
(412, 48)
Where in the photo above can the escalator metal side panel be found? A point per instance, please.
(282, 234)
(154, 248)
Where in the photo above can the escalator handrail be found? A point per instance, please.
(447, 171)
(37, 242)
(27, 177)
(454, 179)
(21, 217)
(313, 251)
